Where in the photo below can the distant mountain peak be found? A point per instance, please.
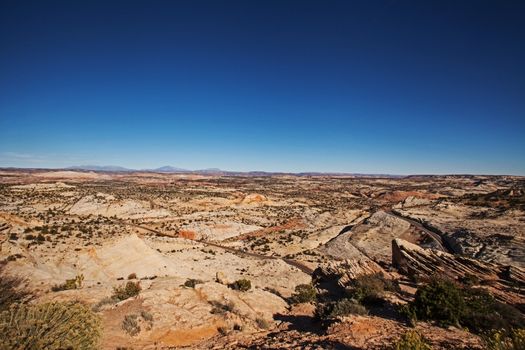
(168, 169)
(99, 168)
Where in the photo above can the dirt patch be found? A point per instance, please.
(187, 234)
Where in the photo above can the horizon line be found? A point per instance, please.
(212, 171)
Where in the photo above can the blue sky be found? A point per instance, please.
(397, 87)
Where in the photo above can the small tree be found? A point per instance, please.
(304, 293)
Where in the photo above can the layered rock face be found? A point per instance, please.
(371, 239)
(505, 281)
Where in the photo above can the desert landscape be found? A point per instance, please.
(221, 261)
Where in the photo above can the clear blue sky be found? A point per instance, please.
(350, 86)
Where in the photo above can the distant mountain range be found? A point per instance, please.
(214, 171)
(99, 168)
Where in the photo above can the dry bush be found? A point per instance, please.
(126, 291)
(411, 340)
(74, 283)
(221, 308)
(12, 289)
(262, 323)
(103, 302)
(131, 325)
(192, 282)
(242, 285)
(50, 326)
(501, 340)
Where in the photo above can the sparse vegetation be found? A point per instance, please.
(12, 290)
(304, 293)
(222, 308)
(370, 288)
(130, 289)
(105, 301)
(411, 340)
(51, 326)
(448, 303)
(262, 323)
(242, 285)
(331, 311)
(505, 340)
(73, 283)
(191, 282)
(130, 324)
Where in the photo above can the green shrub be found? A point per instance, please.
(411, 340)
(449, 304)
(441, 300)
(330, 311)
(370, 288)
(500, 340)
(49, 326)
(191, 282)
(126, 291)
(242, 285)
(304, 293)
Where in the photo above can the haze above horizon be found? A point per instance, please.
(389, 87)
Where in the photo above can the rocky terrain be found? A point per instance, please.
(216, 260)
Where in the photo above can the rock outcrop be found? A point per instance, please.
(505, 281)
(372, 238)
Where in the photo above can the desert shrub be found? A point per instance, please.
(448, 303)
(126, 291)
(191, 282)
(411, 340)
(131, 325)
(440, 300)
(12, 290)
(49, 326)
(132, 276)
(330, 311)
(469, 280)
(370, 288)
(500, 340)
(223, 330)
(105, 301)
(222, 308)
(262, 323)
(273, 291)
(484, 313)
(242, 285)
(73, 283)
(146, 316)
(304, 293)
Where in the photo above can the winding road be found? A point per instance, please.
(444, 246)
(302, 267)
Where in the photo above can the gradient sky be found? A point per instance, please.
(369, 86)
